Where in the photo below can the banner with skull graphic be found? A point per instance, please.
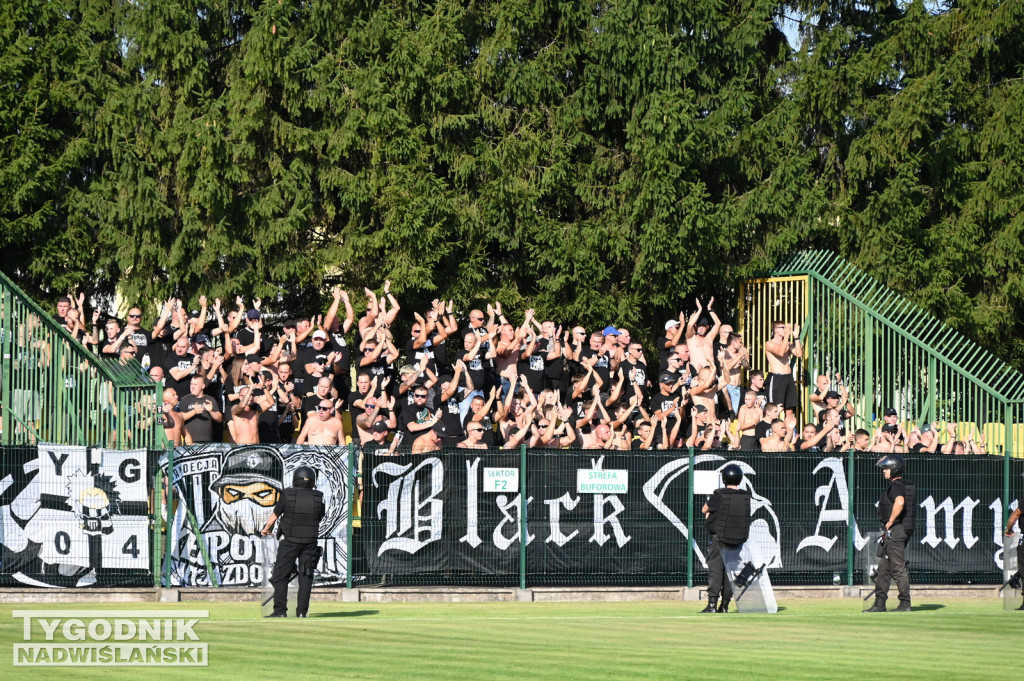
(231, 490)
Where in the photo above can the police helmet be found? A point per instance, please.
(893, 463)
(732, 474)
(304, 476)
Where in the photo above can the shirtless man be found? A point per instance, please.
(324, 428)
(785, 343)
(245, 417)
(430, 441)
(703, 390)
(474, 437)
(735, 358)
(510, 340)
(777, 441)
(746, 421)
(821, 388)
(173, 423)
(599, 438)
(700, 336)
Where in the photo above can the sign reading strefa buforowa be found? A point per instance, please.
(590, 481)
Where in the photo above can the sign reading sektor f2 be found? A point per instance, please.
(101, 638)
(444, 513)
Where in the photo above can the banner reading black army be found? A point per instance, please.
(232, 490)
(437, 514)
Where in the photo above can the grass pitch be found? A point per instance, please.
(808, 639)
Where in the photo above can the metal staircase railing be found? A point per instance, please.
(52, 389)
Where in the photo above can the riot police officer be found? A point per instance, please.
(301, 508)
(896, 507)
(1015, 580)
(727, 518)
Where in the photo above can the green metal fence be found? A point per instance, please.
(432, 520)
(52, 389)
(889, 352)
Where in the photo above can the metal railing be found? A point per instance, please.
(889, 352)
(52, 389)
(434, 518)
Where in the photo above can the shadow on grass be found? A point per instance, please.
(928, 606)
(348, 613)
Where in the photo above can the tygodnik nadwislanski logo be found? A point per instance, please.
(101, 638)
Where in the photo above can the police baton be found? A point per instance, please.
(1013, 582)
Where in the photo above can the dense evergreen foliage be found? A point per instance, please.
(601, 162)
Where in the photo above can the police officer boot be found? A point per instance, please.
(904, 606)
(712, 602)
(723, 606)
(879, 606)
(1021, 606)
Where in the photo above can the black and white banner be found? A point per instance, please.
(434, 514)
(71, 516)
(231, 491)
(74, 516)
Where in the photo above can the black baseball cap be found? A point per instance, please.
(667, 377)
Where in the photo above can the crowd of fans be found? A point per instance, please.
(488, 383)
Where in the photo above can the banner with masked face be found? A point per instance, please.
(231, 490)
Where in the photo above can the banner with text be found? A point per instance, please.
(624, 517)
(74, 517)
(231, 490)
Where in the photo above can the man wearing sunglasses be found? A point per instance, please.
(324, 428)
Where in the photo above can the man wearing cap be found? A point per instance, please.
(703, 429)
(891, 436)
(430, 441)
(844, 412)
(248, 336)
(673, 332)
(200, 411)
(324, 428)
(378, 444)
(925, 439)
(317, 360)
(667, 397)
(246, 491)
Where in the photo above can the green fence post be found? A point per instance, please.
(851, 528)
(6, 350)
(352, 472)
(1007, 453)
(689, 524)
(522, 516)
(868, 412)
(156, 545)
(165, 573)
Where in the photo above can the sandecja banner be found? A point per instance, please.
(232, 490)
(447, 513)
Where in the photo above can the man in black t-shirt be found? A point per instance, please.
(635, 368)
(200, 411)
(179, 366)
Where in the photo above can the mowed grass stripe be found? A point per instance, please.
(809, 639)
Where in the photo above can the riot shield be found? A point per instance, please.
(267, 589)
(751, 587)
(1011, 595)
